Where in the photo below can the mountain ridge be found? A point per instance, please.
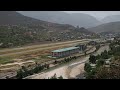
(111, 18)
(75, 19)
(107, 27)
(17, 29)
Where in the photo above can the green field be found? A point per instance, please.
(5, 60)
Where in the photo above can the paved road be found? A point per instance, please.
(40, 46)
(19, 51)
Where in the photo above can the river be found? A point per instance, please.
(70, 70)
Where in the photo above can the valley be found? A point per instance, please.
(68, 71)
(58, 45)
(29, 55)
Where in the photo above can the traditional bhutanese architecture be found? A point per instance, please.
(65, 52)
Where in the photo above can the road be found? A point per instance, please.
(35, 48)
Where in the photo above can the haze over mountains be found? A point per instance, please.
(15, 18)
(75, 19)
(17, 29)
(107, 27)
(112, 18)
(80, 19)
(57, 20)
(109, 24)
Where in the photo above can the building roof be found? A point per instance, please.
(65, 49)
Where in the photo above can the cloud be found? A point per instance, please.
(97, 14)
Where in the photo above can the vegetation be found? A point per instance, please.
(104, 55)
(65, 60)
(102, 70)
(5, 60)
(55, 77)
(108, 73)
(92, 59)
(87, 67)
(14, 36)
(100, 62)
(107, 27)
(17, 30)
(23, 72)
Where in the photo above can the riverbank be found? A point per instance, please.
(67, 71)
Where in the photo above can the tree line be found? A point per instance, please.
(24, 72)
(100, 71)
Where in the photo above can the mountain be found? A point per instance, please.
(17, 29)
(112, 18)
(107, 27)
(75, 19)
(12, 17)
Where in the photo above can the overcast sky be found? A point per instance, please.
(97, 14)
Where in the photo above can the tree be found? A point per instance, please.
(19, 74)
(98, 57)
(104, 55)
(87, 67)
(100, 62)
(108, 73)
(36, 69)
(110, 52)
(54, 77)
(92, 59)
(60, 77)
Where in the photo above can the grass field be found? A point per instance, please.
(34, 53)
(17, 65)
(12, 50)
(16, 52)
(5, 60)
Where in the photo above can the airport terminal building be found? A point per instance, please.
(65, 52)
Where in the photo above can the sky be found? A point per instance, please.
(98, 14)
